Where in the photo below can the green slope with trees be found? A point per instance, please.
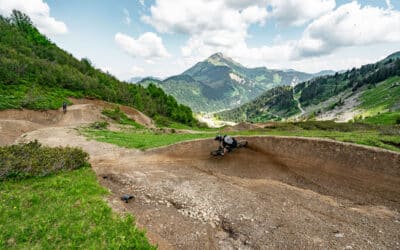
(36, 74)
(378, 85)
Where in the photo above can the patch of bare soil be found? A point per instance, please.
(15, 122)
(10, 130)
(241, 126)
(345, 112)
(132, 113)
(279, 193)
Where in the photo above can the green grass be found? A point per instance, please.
(387, 137)
(389, 118)
(141, 139)
(117, 115)
(33, 96)
(63, 211)
(382, 97)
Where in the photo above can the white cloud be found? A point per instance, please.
(295, 12)
(127, 17)
(222, 25)
(149, 61)
(136, 71)
(349, 25)
(38, 11)
(141, 2)
(147, 46)
(212, 25)
(389, 4)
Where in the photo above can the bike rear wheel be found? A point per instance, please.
(242, 144)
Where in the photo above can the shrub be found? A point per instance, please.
(117, 115)
(32, 159)
(389, 130)
(99, 125)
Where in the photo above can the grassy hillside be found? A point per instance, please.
(36, 74)
(274, 105)
(377, 83)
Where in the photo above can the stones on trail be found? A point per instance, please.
(127, 197)
(348, 247)
(339, 235)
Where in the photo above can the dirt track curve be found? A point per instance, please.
(285, 193)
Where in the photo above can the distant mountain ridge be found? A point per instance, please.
(219, 83)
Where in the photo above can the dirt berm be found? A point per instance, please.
(279, 193)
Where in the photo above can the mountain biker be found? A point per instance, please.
(227, 143)
(64, 105)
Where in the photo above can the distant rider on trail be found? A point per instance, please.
(226, 143)
(64, 107)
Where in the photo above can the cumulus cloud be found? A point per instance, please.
(222, 25)
(212, 25)
(349, 25)
(147, 46)
(389, 4)
(136, 71)
(127, 17)
(294, 12)
(38, 11)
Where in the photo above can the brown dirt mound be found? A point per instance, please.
(132, 113)
(15, 122)
(76, 115)
(10, 130)
(241, 126)
(324, 166)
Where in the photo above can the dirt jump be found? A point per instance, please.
(278, 193)
(15, 122)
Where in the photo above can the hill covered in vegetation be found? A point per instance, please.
(373, 89)
(219, 83)
(36, 74)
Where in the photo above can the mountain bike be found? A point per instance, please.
(220, 150)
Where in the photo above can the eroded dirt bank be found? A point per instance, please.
(15, 122)
(280, 192)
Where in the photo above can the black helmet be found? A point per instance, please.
(218, 138)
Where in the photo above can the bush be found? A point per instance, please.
(32, 159)
(390, 130)
(117, 115)
(99, 125)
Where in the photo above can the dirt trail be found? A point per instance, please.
(286, 193)
(15, 122)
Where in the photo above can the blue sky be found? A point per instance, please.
(164, 37)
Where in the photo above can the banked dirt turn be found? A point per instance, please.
(287, 193)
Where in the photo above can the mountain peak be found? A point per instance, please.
(218, 57)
